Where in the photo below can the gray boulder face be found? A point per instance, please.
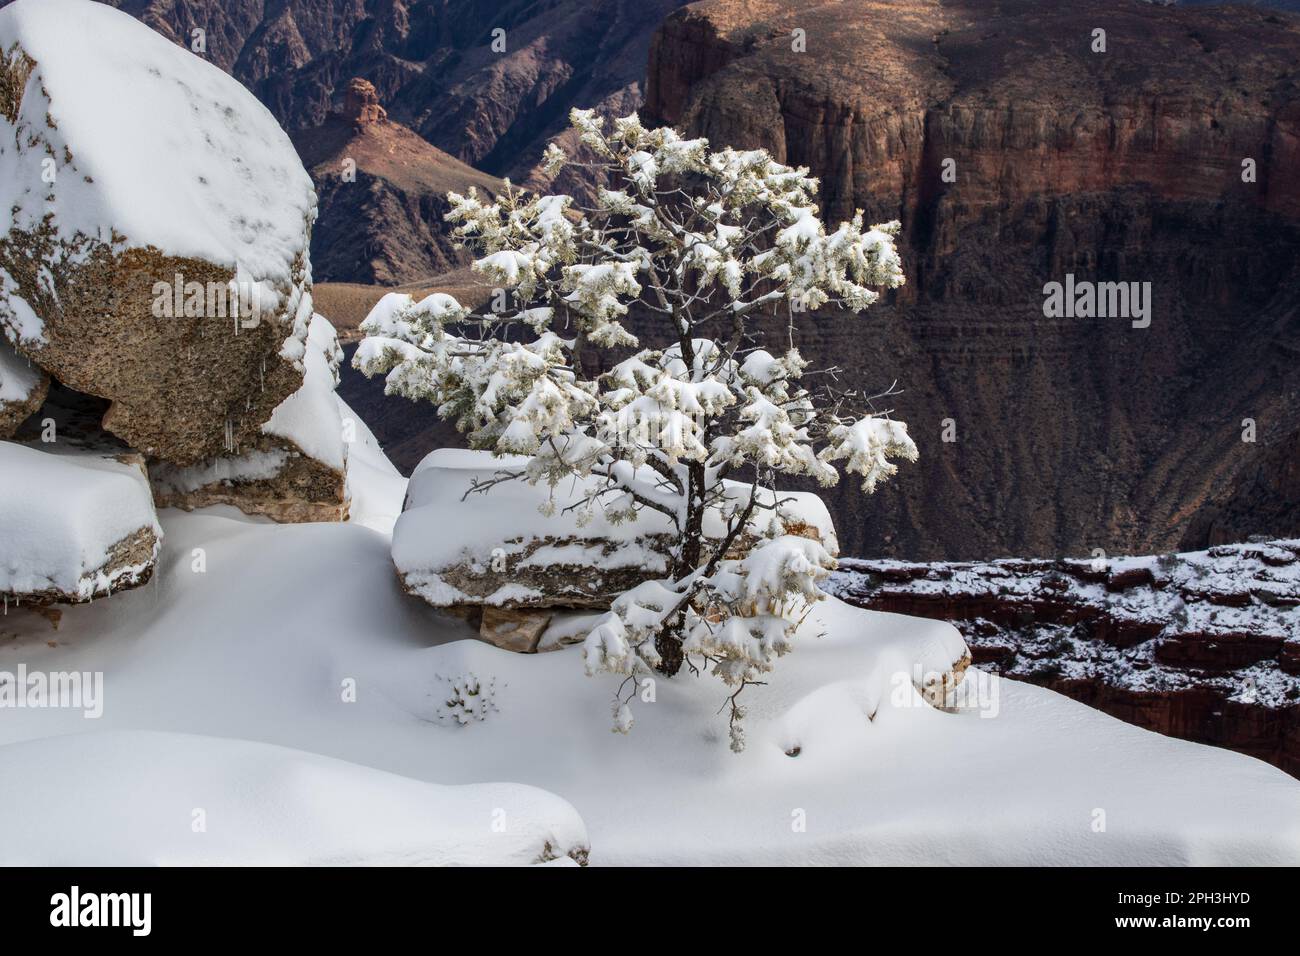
(157, 251)
(499, 560)
(75, 524)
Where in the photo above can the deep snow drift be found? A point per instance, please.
(845, 763)
(177, 799)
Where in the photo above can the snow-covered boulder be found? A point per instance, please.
(452, 546)
(153, 202)
(512, 547)
(142, 798)
(74, 525)
(23, 387)
(296, 471)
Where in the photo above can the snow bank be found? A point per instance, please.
(309, 418)
(376, 488)
(163, 147)
(62, 514)
(138, 798)
(844, 764)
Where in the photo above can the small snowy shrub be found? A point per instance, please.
(468, 699)
(697, 245)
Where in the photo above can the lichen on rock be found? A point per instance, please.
(160, 221)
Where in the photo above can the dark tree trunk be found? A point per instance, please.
(669, 645)
(669, 641)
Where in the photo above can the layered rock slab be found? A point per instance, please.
(1203, 645)
(75, 525)
(506, 557)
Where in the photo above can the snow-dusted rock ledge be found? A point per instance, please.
(74, 525)
(507, 550)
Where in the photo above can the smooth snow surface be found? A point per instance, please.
(375, 487)
(61, 512)
(310, 416)
(142, 798)
(259, 647)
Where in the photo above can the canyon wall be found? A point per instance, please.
(1069, 434)
(1203, 645)
(433, 62)
(383, 194)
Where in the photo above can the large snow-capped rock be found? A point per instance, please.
(74, 524)
(296, 470)
(143, 798)
(454, 546)
(23, 387)
(145, 188)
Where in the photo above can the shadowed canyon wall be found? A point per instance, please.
(1070, 434)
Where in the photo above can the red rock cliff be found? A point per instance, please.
(1123, 165)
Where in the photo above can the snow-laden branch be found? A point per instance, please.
(702, 238)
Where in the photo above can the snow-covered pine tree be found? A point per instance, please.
(698, 426)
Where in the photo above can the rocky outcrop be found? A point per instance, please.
(296, 471)
(273, 479)
(166, 291)
(361, 104)
(157, 253)
(1202, 645)
(1040, 435)
(383, 194)
(76, 524)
